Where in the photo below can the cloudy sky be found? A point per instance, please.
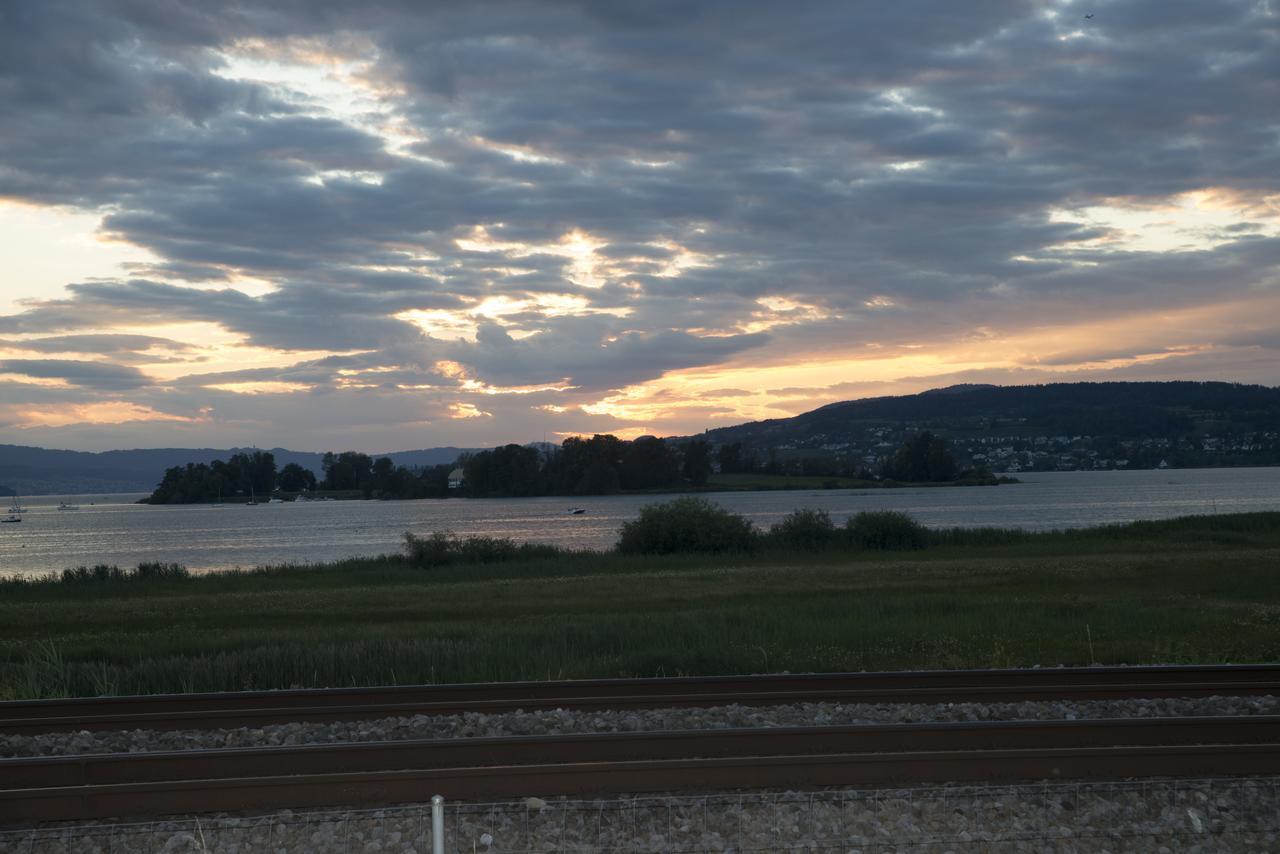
(387, 225)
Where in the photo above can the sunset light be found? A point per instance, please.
(320, 212)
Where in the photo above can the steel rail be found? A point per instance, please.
(98, 786)
(209, 764)
(473, 691)
(634, 776)
(235, 709)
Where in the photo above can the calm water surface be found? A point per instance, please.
(114, 530)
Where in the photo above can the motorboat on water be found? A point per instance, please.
(576, 511)
(11, 518)
(65, 506)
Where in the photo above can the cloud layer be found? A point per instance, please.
(472, 223)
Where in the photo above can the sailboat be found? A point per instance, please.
(253, 499)
(16, 507)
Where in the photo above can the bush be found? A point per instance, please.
(443, 547)
(161, 570)
(433, 550)
(111, 572)
(979, 536)
(805, 529)
(686, 525)
(100, 572)
(886, 530)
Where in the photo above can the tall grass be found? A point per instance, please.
(442, 548)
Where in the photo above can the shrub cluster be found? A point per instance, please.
(441, 548)
(879, 530)
(886, 530)
(804, 530)
(686, 525)
(980, 536)
(111, 572)
(697, 525)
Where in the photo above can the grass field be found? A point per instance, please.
(1203, 589)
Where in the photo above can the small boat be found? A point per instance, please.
(576, 511)
(11, 518)
(16, 506)
(65, 506)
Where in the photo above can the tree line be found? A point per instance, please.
(600, 465)
(254, 475)
(605, 464)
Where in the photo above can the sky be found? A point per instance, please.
(392, 225)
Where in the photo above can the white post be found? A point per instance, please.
(437, 824)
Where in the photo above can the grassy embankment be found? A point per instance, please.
(1200, 589)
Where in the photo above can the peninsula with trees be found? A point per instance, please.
(600, 465)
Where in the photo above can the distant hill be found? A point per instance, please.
(1043, 427)
(38, 471)
(1061, 426)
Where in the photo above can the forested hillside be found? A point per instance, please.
(1042, 427)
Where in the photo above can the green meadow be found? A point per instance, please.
(1199, 589)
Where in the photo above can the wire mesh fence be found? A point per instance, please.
(1210, 815)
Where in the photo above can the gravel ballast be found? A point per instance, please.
(1155, 816)
(561, 721)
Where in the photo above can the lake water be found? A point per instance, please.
(114, 530)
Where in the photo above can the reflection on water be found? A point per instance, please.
(113, 530)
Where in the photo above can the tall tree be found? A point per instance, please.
(348, 470)
(924, 457)
(731, 458)
(649, 463)
(697, 461)
(295, 478)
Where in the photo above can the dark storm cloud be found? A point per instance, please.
(96, 375)
(106, 344)
(295, 317)
(361, 368)
(929, 155)
(582, 351)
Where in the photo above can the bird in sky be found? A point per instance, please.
(1089, 16)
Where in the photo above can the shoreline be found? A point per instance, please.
(711, 489)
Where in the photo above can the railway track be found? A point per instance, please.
(97, 786)
(258, 708)
(112, 785)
